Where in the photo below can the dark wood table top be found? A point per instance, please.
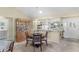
(31, 36)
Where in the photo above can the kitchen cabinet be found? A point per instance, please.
(49, 25)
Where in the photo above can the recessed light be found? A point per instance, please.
(40, 12)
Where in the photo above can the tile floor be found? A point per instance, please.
(69, 45)
(65, 45)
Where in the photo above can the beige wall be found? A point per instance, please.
(11, 12)
(54, 37)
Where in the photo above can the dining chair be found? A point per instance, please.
(44, 38)
(28, 38)
(11, 46)
(61, 34)
(37, 42)
(6, 45)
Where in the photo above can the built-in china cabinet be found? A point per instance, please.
(22, 25)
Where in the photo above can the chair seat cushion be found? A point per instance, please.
(44, 39)
(29, 39)
(37, 43)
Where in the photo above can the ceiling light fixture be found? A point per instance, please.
(40, 12)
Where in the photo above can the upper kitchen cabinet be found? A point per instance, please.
(48, 24)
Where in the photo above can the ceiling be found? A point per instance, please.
(33, 12)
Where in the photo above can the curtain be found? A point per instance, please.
(71, 27)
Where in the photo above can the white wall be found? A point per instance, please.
(11, 29)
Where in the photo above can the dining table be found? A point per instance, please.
(32, 36)
(36, 33)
